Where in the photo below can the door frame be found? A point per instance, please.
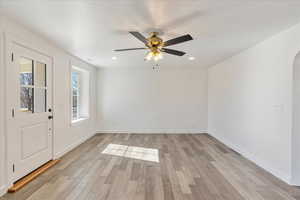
(9, 41)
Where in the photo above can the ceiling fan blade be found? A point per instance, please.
(173, 52)
(139, 36)
(178, 40)
(129, 49)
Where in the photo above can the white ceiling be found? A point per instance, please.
(91, 29)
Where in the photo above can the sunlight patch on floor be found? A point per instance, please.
(134, 152)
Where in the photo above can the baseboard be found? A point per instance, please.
(250, 156)
(155, 131)
(3, 190)
(72, 146)
(294, 182)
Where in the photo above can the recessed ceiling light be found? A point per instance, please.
(191, 58)
(114, 58)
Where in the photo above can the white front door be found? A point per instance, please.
(29, 96)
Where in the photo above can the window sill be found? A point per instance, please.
(78, 121)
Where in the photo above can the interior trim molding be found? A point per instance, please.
(72, 146)
(294, 182)
(3, 190)
(258, 161)
(155, 131)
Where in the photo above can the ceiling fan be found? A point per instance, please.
(156, 45)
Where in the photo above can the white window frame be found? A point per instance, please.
(83, 96)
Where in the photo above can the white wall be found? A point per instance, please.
(66, 136)
(250, 102)
(143, 100)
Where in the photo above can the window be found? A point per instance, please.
(75, 97)
(33, 86)
(80, 85)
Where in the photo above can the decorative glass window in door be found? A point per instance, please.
(33, 86)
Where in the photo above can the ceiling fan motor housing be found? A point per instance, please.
(155, 42)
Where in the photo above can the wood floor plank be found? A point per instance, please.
(191, 167)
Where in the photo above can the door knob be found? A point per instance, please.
(50, 117)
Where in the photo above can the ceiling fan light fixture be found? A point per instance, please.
(155, 55)
(159, 56)
(149, 55)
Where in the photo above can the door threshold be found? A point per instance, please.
(30, 177)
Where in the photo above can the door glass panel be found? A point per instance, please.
(40, 74)
(39, 100)
(26, 97)
(26, 69)
(26, 85)
(32, 86)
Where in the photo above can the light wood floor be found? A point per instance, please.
(192, 167)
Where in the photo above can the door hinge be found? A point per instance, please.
(12, 57)
(13, 112)
(13, 168)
